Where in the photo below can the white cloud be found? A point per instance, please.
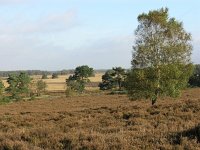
(106, 53)
(19, 52)
(51, 23)
(25, 43)
(45, 24)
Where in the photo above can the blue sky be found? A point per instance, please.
(63, 34)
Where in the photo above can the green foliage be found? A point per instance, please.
(13, 89)
(83, 72)
(108, 81)
(161, 57)
(119, 76)
(4, 100)
(113, 78)
(18, 85)
(2, 87)
(195, 78)
(76, 82)
(40, 87)
(44, 76)
(54, 76)
(143, 83)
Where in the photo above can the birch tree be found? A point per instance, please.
(161, 57)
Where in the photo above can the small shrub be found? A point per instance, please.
(40, 87)
(54, 76)
(44, 76)
(69, 92)
(4, 100)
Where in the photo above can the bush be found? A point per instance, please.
(40, 87)
(54, 75)
(44, 76)
(76, 85)
(1, 87)
(4, 100)
(69, 92)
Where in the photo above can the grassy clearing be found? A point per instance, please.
(59, 84)
(101, 122)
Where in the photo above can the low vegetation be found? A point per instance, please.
(102, 122)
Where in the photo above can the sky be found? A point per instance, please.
(64, 34)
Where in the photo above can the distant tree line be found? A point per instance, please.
(40, 72)
(36, 72)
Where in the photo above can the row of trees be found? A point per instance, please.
(120, 80)
(36, 72)
(20, 86)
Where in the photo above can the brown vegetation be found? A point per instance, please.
(102, 122)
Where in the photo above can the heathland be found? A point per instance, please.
(101, 121)
(78, 112)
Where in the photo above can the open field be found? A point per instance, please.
(59, 84)
(102, 122)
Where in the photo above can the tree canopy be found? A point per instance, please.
(113, 78)
(77, 81)
(83, 72)
(161, 57)
(18, 85)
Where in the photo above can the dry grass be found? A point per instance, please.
(102, 122)
(59, 84)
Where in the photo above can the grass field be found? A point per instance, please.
(59, 84)
(102, 122)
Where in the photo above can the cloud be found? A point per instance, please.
(52, 23)
(105, 52)
(26, 44)
(46, 24)
(19, 52)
